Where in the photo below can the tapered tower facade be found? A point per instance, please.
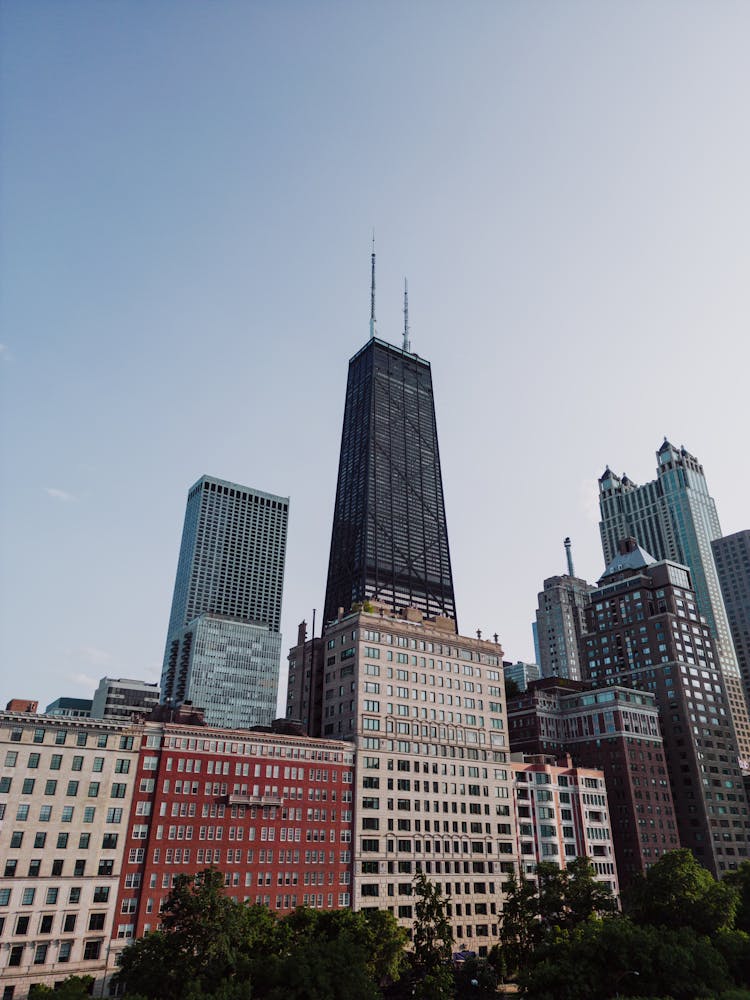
(389, 542)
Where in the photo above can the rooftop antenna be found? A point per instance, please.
(569, 557)
(407, 345)
(372, 288)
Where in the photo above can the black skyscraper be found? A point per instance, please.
(389, 540)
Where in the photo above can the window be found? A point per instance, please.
(63, 955)
(57, 867)
(79, 868)
(105, 867)
(96, 922)
(72, 788)
(114, 815)
(45, 812)
(69, 923)
(22, 813)
(77, 763)
(101, 740)
(52, 895)
(22, 926)
(60, 737)
(27, 899)
(62, 841)
(56, 762)
(5, 784)
(98, 764)
(16, 839)
(88, 814)
(119, 790)
(40, 839)
(50, 787)
(93, 791)
(28, 786)
(39, 736)
(109, 841)
(92, 949)
(40, 954)
(83, 841)
(35, 866)
(101, 893)
(4, 897)
(10, 868)
(67, 814)
(81, 740)
(75, 895)
(45, 926)
(16, 953)
(122, 765)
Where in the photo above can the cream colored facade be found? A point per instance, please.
(433, 789)
(65, 791)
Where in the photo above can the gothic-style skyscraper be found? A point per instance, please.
(389, 540)
(674, 517)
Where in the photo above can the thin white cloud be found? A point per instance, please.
(83, 680)
(93, 655)
(57, 494)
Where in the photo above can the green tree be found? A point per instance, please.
(520, 928)
(72, 988)
(432, 938)
(739, 880)
(207, 939)
(679, 892)
(612, 957)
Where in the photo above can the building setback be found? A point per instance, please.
(425, 709)
(644, 631)
(65, 793)
(616, 730)
(273, 812)
(562, 814)
(227, 593)
(732, 558)
(73, 708)
(675, 518)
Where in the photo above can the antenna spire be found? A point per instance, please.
(372, 288)
(407, 345)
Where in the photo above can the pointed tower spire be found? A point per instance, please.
(372, 288)
(407, 345)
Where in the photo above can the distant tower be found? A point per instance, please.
(390, 540)
(675, 518)
(732, 558)
(560, 621)
(223, 645)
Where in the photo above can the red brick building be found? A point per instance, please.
(272, 811)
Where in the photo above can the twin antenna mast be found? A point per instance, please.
(407, 343)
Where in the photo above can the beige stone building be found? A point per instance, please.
(426, 711)
(65, 792)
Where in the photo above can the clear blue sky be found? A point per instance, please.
(187, 191)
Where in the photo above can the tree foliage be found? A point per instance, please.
(72, 988)
(433, 942)
(212, 947)
(739, 880)
(679, 892)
